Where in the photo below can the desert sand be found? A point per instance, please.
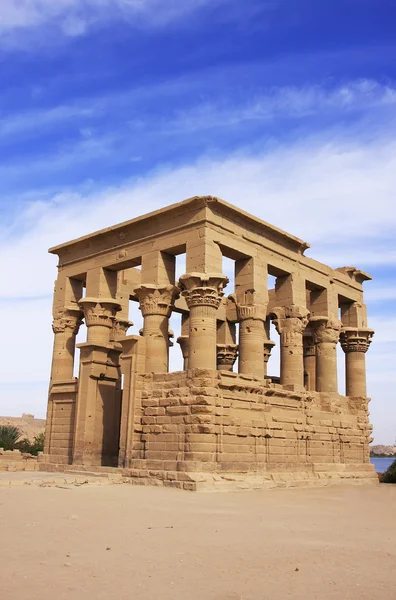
(129, 542)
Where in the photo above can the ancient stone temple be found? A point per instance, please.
(220, 421)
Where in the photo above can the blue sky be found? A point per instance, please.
(111, 108)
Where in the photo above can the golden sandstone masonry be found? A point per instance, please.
(207, 427)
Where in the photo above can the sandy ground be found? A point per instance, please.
(127, 542)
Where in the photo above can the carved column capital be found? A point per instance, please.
(156, 299)
(251, 311)
(171, 335)
(201, 289)
(355, 340)
(67, 318)
(183, 341)
(120, 328)
(268, 345)
(99, 311)
(325, 330)
(309, 345)
(226, 354)
(290, 320)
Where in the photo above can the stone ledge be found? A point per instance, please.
(206, 482)
(323, 475)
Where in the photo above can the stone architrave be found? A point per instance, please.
(203, 294)
(290, 323)
(252, 336)
(156, 302)
(326, 333)
(65, 326)
(355, 343)
(226, 356)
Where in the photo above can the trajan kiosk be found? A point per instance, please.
(207, 426)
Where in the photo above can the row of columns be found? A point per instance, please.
(307, 346)
(315, 356)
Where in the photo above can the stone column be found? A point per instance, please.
(226, 356)
(326, 331)
(355, 343)
(268, 345)
(309, 351)
(290, 323)
(129, 368)
(156, 303)
(63, 385)
(251, 339)
(203, 294)
(65, 326)
(98, 400)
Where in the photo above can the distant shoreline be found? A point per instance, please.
(374, 455)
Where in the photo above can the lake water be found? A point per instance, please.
(381, 464)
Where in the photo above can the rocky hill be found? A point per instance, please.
(385, 450)
(27, 424)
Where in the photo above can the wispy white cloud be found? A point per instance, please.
(36, 120)
(289, 102)
(75, 16)
(264, 104)
(111, 128)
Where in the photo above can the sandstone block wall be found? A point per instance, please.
(224, 423)
(14, 460)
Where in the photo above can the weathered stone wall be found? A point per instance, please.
(235, 427)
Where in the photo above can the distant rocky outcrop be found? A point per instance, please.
(381, 450)
(27, 425)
